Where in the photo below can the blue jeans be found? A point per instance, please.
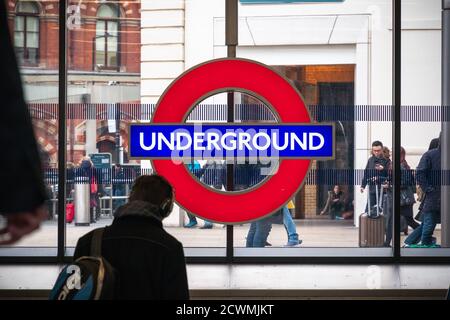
(289, 225)
(425, 231)
(258, 233)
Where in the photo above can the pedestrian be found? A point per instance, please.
(375, 173)
(88, 172)
(407, 200)
(149, 261)
(22, 207)
(429, 179)
(247, 175)
(291, 228)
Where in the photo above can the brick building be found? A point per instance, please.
(103, 59)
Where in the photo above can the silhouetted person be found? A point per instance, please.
(22, 191)
(150, 262)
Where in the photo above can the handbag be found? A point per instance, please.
(94, 187)
(405, 198)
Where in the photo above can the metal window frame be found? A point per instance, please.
(106, 35)
(395, 258)
(26, 15)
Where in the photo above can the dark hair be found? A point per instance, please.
(386, 150)
(403, 158)
(377, 144)
(434, 144)
(153, 188)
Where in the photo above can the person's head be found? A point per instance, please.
(386, 152)
(403, 158)
(434, 144)
(402, 154)
(155, 190)
(377, 149)
(337, 189)
(86, 161)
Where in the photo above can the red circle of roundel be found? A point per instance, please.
(216, 76)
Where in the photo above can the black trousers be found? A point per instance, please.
(406, 212)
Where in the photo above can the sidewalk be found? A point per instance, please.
(314, 233)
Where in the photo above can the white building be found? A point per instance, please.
(179, 34)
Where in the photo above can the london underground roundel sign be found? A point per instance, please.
(294, 141)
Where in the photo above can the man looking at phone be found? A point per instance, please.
(376, 172)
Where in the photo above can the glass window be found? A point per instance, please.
(424, 225)
(26, 32)
(42, 100)
(336, 54)
(344, 76)
(106, 41)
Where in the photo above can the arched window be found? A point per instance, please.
(26, 32)
(106, 37)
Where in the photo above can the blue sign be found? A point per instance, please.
(101, 160)
(190, 141)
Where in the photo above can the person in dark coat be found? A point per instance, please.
(375, 173)
(87, 170)
(407, 190)
(22, 191)
(149, 261)
(428, 177)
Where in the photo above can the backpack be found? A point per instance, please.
(88, 278)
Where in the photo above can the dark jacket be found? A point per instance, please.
(428, 178)
(150, 262)
(22, 188)
(371, 174)
(408, 183)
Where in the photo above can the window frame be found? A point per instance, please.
(105, 36)
(395, 258)
(24, 61)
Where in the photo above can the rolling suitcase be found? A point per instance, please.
(372, 226)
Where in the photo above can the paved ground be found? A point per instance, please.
(314, 233)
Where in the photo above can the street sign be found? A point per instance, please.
(101, 160)
(103, 163)
(223, 75)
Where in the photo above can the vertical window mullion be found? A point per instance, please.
(25, 47)
(106, 43)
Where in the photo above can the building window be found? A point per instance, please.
(26, 32)
(106, 37)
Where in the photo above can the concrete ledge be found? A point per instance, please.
(406, 294)
(222, 281)
(434, 294)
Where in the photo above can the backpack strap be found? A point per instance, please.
(96, 242)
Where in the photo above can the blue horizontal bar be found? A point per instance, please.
(174, 141)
